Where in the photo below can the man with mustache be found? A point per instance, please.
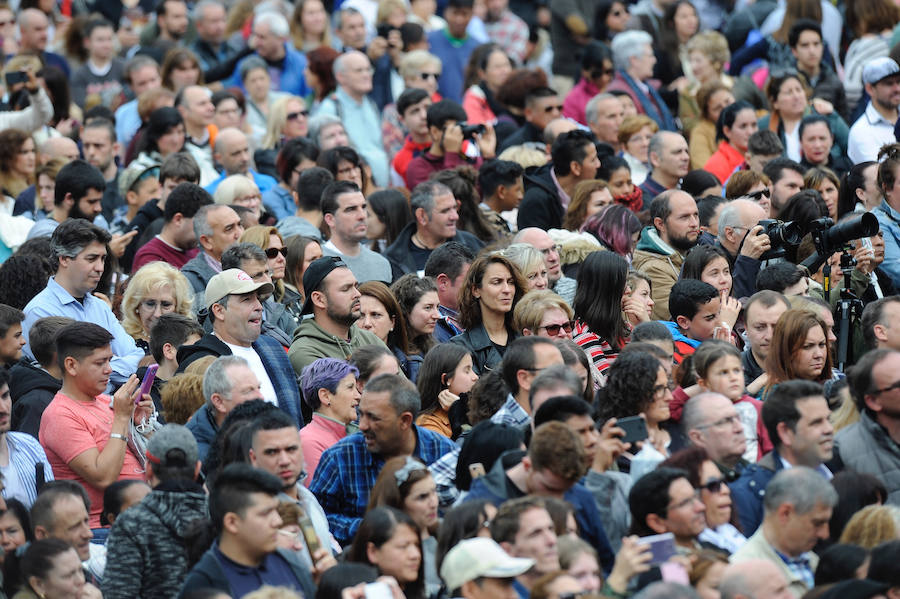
(333, 298)
(348, 469)
(796, 415)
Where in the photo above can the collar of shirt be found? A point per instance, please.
(346, 98)
(63, 296)
(821, 468)
(888, 209)
(563, 196)
(875, 118)
(213, 263)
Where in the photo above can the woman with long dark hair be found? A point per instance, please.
(859, 189)
(733, 130)
(600, 327)
(487, 71)
(709, 264)
(388, 214)
(163, 136)
(391, 541)
(418, 301)
(492, 288)
(383, 316)
(445, 374)
(799, 350)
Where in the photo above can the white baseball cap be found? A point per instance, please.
(480, 557)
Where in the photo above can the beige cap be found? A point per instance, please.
(233, 281)
(480, 557)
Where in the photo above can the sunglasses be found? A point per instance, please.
(598, 73)
(557, 108)
(553, 329)
(271, 253)
(757, 195)
(713, 486)
(427, 76)
(294, 115)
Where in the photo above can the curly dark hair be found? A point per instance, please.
(629, 389)
(23, 276)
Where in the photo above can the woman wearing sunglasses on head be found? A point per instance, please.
(721, 520)
(270, 240)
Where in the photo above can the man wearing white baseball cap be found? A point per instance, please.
(232, 302)
(478, 568)
(875, 127)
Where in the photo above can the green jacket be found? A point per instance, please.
(312, 342)
(662, 263)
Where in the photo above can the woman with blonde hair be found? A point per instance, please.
(240, 190)
(634, 135)
(309, 25)
(155, 289)
(712, 98)
(288, 118)
(589, 198)
(272, 243)
(530, 262)
(872, 526)
(543, 313)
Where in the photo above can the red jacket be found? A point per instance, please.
(424, 165)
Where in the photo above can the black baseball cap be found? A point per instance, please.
(315, 274)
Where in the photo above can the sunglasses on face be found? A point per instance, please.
(598, 73)
(713, 486)
(553, 329)
(427, 76)
(758, 195)
(271, 253)
(294, 115)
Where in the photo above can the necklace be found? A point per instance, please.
(417, 240)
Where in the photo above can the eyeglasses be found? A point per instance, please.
(713, 486)
(152, 305)
(291, 116)
(427, 76)
(553, 329)
(549, 250)
(757, 195)
(721, 422)
(886, 389)
(685, 502)
(272, 253)
(659, 391)
(556, 107)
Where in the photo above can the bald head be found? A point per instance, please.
(353, 72)
(33, 26)
(59, 147)
(557, 127)
(194, 102)
(754, 579)
(232, 151)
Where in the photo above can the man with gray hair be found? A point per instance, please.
(744, 241)
(798, 505)
(347, 470)
(754, 579)
(435, 217)
(327, 131)
(634, 61)
(217, 55)
(360, 115)
(271, 33)
(711, 421)
(232, 152)
(216, 227)
(232, 301)
(604, 115)
(79, 252)
(227, 383)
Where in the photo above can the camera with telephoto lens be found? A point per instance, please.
(833, 237)
(469, 131)
(780, 235)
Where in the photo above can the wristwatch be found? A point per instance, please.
(118, 436)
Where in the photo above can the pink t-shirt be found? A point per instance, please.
(68, 429)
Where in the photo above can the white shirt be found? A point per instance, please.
(256, 365)
(868, 134)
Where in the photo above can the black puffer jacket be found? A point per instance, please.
(32, 389)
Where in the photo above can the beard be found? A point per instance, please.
(343, 318)
(683, 244)
(76, 212)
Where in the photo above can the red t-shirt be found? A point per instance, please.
(157, 249)
(69, 428)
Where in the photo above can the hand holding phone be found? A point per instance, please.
(635, 428)
(662, 547)
(147, 382)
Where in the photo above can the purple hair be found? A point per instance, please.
(324, 373)
(613, 226)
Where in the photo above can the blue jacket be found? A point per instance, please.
(204, 428)
(495, 489)
(889, 221)
(273, 358)
(263, 182)
(288, 79)
(748, 491)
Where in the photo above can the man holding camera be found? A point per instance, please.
(743, 239)
(446, 122)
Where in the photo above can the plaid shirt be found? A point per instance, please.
(510, 33)
(799, 566)
(511, 413)
(346, 474)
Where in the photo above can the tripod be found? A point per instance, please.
(848, 310)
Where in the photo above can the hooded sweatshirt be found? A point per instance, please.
(312, 342)
(146, 554)
(662, 263)
(32, 389)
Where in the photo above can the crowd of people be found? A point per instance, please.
(425, 299)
